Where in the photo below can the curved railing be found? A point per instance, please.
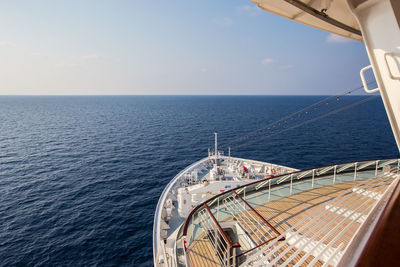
(161, 200)
(157, 244)
(291, 183)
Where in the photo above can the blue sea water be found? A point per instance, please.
(80, 176)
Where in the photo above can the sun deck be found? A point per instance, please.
(308, 218)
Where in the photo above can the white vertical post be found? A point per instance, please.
(269, 189)
(218, 209)
(291, 183)
(378, 20)
(376, 167)
(228, 256)
(234, 257)
(334, 174)
(217, 237)
(355, 171)
(312, 180)
(229, 152)
(216, 147)
(215, 233)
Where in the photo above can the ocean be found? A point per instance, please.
(80, 176)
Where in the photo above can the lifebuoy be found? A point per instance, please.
(273, 171)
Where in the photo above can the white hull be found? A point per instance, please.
(163, 239)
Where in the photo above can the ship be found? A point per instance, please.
(229, 211)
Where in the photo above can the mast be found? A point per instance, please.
(379, 21)
(216, 147)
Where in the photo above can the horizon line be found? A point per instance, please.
(186, 95)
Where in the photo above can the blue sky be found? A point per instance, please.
(168, 47)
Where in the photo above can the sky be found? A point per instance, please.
(197, 47)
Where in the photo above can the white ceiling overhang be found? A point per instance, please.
(329, 15)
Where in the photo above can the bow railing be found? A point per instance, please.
(204, 222)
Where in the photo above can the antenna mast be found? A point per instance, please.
(216, 147)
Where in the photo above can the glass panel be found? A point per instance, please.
(228, 208)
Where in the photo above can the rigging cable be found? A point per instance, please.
(291, 116)
(309, 121)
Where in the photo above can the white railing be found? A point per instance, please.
(355, 168)
(223, 248)
(335, 217)
(226, 205)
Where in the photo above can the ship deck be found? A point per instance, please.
(317, 224)
(200, 183)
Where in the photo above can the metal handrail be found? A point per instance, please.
(217, 245)
(257, 213)
(312, 173)
(303, 224)
(246, 218)
(186, 225)
(366, 89)
(235, 245)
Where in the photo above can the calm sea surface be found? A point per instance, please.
(80, 176)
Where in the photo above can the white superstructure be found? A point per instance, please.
(375, 22)
(200, 181)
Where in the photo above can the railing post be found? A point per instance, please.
(334, 174)
(228, 249)
(234, 257)
(376, 168)
(217, 238)
(218, 208)
(312, 180)
(355, 171)
(214, 227)
(291, 183)
(234, 206)
(269, 190)
(226, 245)
(224, 259)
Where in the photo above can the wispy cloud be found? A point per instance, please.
(224, 22)
(333, 38)
(267, 61)
(250, 10)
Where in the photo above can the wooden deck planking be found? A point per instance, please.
(201, 253)
(285, 212)
(261, 231)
